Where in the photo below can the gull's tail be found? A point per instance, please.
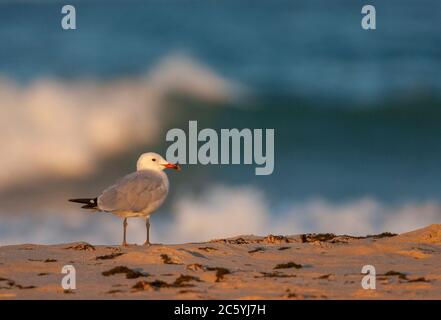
(89, 203)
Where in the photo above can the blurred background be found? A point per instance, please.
(357, 115)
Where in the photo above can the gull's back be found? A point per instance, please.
(136, 194)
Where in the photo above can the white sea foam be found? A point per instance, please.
(225, 211)
(53, 128)
(230, 211)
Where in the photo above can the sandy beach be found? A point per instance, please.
(309, 266)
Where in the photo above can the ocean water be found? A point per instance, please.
(356, 114)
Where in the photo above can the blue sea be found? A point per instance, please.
(356, 114)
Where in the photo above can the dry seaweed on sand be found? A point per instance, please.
(325, 276)
(420, 279)
(167, 260)
(109, 256)
(156, 284)
(12, 284)
(82, 246)
(275, 239)
(237, 241)
(288, 265)
(403, 276)
(220, 272)
(180, 282)
(332, 238)
(400, 275)
(312, 237)
(275, 275)
(381, 235)
(130, 274)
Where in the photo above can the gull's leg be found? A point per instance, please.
(124, 243)
(147, 227)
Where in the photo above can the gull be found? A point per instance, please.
(137, 194)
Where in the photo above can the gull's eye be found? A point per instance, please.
(153, 159)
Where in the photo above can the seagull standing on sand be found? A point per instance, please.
(137, 194)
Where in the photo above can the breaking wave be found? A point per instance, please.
(229, 211)
(63, 128)
(224, 211)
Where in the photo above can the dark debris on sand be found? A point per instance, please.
(12, 284)
(403, 276)
(130, 274)
(332, 238)
(288, 265)
(109, 256)
(275, 275)
(272, 239)
(325, 276)
(181, 282)
(392, 273)
(304, 238)
(84, 246)
(421, 279)
(220, 272)
(167, 260)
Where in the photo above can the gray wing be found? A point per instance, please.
(141, 191)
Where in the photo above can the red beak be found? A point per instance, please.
(172, 166)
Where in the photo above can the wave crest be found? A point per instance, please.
(64, 128)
